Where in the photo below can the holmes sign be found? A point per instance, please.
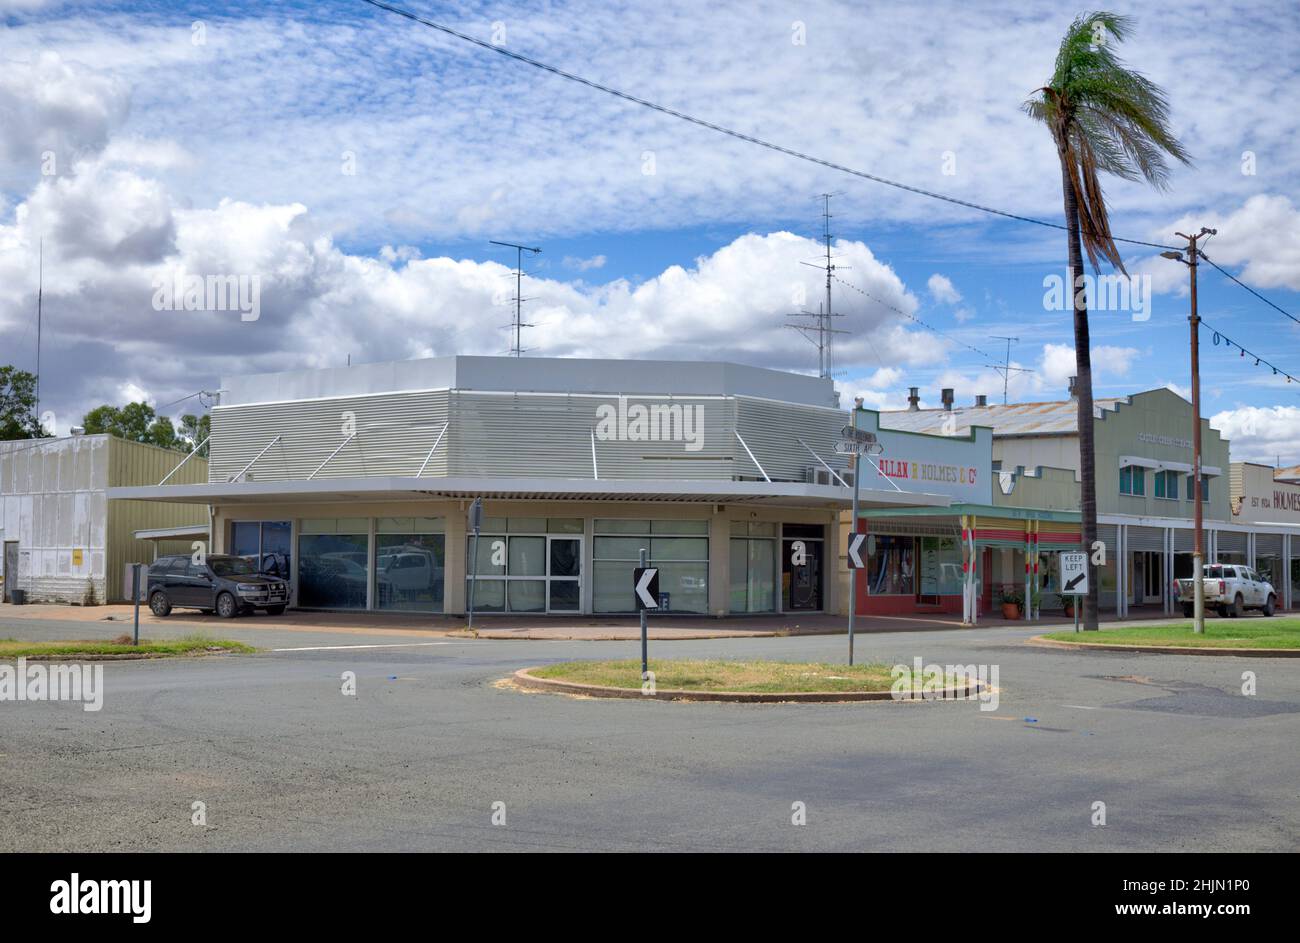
(1262, 500)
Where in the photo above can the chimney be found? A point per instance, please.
(1074, 392)
(947, 398)
(981, 400)
(913, 398)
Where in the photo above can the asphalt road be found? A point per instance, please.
(283, 760)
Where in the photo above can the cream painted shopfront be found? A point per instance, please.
(356, 483)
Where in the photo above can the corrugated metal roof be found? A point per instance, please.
(1291, 474)
(1054, 418)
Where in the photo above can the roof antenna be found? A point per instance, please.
(1006, 369)
(516, 350)
(825, 333)
(40, 295)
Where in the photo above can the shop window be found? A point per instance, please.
(266, 544)
(333, 564)
(680, 549)
(941, 573)
(753, 575)
(410, 561)
(526, 572)
(890, 570)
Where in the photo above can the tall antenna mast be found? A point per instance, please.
(519, 299)
(40, 297)
(1006, 369)
(825, 333)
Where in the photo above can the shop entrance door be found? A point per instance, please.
(564, 586)
(11, 568)
(801, 582)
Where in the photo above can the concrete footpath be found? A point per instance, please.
(541, 627)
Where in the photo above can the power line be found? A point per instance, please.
(1228, 342)
(781, 149)
(912, 317)
(738, 135)
(1234, 278)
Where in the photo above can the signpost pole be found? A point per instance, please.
(853, 529)
(135, 597)
(476, 521)
(645, 667)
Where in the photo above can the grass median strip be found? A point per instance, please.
(121, 646)
(751, 677)
(1219, 633)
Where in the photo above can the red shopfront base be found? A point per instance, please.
(868, 605)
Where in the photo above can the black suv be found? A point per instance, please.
(223, 584)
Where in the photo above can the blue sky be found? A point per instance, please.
(358, 164)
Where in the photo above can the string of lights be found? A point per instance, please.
(1220, 338)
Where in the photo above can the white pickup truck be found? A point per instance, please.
(1229, 588)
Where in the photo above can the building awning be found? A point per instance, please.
(187, 532)
(786, 494)
(1207, 471)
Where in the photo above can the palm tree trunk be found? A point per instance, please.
(1083, 388)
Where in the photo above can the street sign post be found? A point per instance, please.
(645, 586)
(1074, 579)
(854, 447)
(475, 524)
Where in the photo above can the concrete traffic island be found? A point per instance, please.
(1254, 638)
(756, 682)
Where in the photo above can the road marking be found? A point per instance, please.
(335, 648)
(1081, 707)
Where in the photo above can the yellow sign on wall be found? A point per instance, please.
(76, 557)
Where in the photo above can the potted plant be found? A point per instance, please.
(1012, 600)
(1067, 603)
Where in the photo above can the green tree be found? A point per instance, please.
(18, 419)
(1103, 117)
(136, 422)
(193, 430)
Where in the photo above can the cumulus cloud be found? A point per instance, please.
(112, 236)
(53, 112)
(1263, 236)
(942, 290)
(1058, 363)
(1261, 434)
(584, 265)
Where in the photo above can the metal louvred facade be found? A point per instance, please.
(518, 434)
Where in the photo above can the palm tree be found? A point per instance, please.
(1103, 117)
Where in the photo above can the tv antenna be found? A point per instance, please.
(519, 299)
(825, 312)
(1005, 368)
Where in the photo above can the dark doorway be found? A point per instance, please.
(802, 549)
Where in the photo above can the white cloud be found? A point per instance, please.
(942, 290)
(1261, 434)
(1263, 236)
(111, 233)
(1058, 363)
(54, 111)
(584, 265)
